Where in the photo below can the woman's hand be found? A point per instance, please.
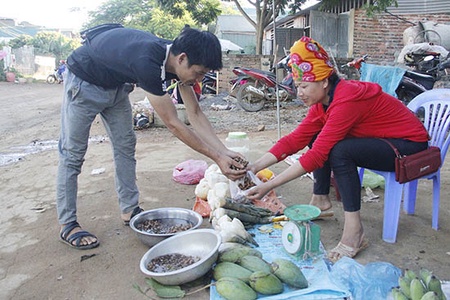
(259, 191)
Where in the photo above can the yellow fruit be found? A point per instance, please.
(264, 175)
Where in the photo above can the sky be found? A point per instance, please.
(52, 13)
(49, 13)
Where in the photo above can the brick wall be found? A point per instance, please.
(382, 36)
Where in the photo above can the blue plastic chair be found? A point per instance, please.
(435, 109)
(436, 104)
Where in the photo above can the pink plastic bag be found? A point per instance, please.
(190, 171)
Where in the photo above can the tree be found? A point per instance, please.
(141, 14)
(20, 41)
(203, 11)
(47, 43)
(53, 43)
(266, 12)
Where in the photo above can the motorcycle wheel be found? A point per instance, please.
(208, 87)
(249, 101)
(406, 93)
(51, 79)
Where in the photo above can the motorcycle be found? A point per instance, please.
(54, 77)
(256, 87)
(421, 76)
(209, 83)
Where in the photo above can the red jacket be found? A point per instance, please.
(358, 110)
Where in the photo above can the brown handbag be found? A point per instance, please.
(411, 167)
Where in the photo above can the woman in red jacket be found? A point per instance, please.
(346, 119)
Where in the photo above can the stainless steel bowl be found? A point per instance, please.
(202, 243)
(173, 215)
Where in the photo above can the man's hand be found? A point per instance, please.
(231, 168)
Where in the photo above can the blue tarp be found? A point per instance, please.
(316, 271)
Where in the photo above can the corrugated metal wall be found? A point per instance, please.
(404, 6)
(421, 7)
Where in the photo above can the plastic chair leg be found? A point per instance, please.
(361, 175)
(409, 204)
(392, 204)
(436, 199)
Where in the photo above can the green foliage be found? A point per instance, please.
(133, 13)
(2, 70)
(54, 44)
(202, 11)
(20, 41)
(140, 14)
(266, 12)
(379, 6)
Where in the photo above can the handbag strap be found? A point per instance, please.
(393, 148)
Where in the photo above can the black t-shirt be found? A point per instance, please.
(123, 55)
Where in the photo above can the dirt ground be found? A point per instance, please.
(35, 265)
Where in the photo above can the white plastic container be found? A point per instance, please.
(238, 142)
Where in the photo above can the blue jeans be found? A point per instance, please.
(82, 102)
(348, 154)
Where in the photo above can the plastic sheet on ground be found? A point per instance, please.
(375, 279)
(372, 180)
(388, 77)
(316, 271)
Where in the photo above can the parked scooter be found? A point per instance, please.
(256, 87)
(422, 76)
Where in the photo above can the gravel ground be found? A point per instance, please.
(226, 115)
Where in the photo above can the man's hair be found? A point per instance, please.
(201, 47)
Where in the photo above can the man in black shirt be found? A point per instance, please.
(100, 75)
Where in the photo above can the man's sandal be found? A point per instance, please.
(135, 212)
(343, 250)
(76, 237)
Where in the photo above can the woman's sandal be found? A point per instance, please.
(135, 212)
(76, 237)
(344, 250)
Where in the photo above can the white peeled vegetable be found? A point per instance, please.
(214, 177)
(230, 236)
(213, 200)
(218, 212)
(222, 220)
(202, 188)
(213, 168)
(222, 190)
(240, 229)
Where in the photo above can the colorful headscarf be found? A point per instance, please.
(309, 61)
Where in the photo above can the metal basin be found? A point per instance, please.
(169, 216)
(203, 243)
